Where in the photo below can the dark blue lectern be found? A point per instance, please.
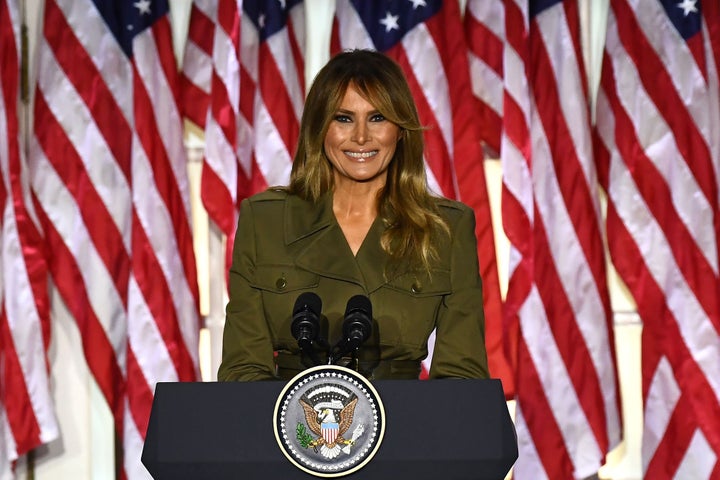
(448, 429)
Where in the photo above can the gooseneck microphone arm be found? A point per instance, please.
(357, 327)
(305, 326)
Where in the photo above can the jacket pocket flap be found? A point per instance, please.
(283, 278)
(423, 285)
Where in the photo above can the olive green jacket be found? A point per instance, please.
(285, 246)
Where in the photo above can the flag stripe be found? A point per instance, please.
(201, 29)
(79, 69)
(27, 417)
(21, 418)
(221, 168)
(574, 177)
(277, 104)
(680, 244)
(557, 293)
(664, 96)
(657, 119)
(111, 184)
(140, 394)
(683, 229)
(98, 350)
(256, 102)
(711, 15)
(437, 154)
(196, 72)
(547, 431)
(485, 33)
(271, 110)
(107, 239)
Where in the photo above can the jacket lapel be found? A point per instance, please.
(321, 244)
(371, 259)
(323, 248)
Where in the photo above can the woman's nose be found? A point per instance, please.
(360, 133)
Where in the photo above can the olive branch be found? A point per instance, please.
(303, 437)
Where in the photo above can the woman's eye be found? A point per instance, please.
(377, 118)
(342, 118)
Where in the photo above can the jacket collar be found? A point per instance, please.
(303, 218)
(325, 250)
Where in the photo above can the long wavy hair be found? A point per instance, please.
(413, 225)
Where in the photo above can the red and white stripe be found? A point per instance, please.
(27, 417)
(197, 65)
(485, 34)
(658, 123)
(433, 56)
(109, 173)
(567, 415)
(272, 75)
(163, 298)
(222, 174)
(256, 95)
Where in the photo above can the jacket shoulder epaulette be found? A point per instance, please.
(271, 194)
(452, 205)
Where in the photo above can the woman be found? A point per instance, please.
(356, 219)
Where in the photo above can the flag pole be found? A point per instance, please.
(215, 321)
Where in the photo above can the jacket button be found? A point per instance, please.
(281, 283)
(416, 288)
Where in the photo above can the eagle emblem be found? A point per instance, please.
(329, 419)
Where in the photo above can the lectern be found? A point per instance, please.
(448, 429)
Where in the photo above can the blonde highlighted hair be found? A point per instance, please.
(408, 210)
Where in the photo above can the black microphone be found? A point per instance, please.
(357, 325)
(306, 320)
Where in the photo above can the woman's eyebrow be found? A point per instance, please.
(352, 112)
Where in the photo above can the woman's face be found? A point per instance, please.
(360, 142)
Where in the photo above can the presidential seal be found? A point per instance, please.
(329, 421)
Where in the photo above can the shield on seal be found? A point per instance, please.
(329, 431)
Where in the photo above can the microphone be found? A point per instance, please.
(357, 325)
(306, 322)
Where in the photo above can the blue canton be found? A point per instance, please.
(387, 22)
(127, 18)
(687, 21)
(268, 16)
(536, 7)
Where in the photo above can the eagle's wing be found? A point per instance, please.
(311, 418)
(346, 416)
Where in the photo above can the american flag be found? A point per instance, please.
(27, 417)
(257, 89)
(485, 33)
(426, 39)
(658, 125)
(197, 64)
(108, 169)
(211, 99)
(567, 415)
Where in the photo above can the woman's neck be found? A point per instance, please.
(355, 210)
(355, 200)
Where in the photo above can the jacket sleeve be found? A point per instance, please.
(459, 350)
(247, 352)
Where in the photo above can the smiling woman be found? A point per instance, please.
(357, 219)
(360, 142)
